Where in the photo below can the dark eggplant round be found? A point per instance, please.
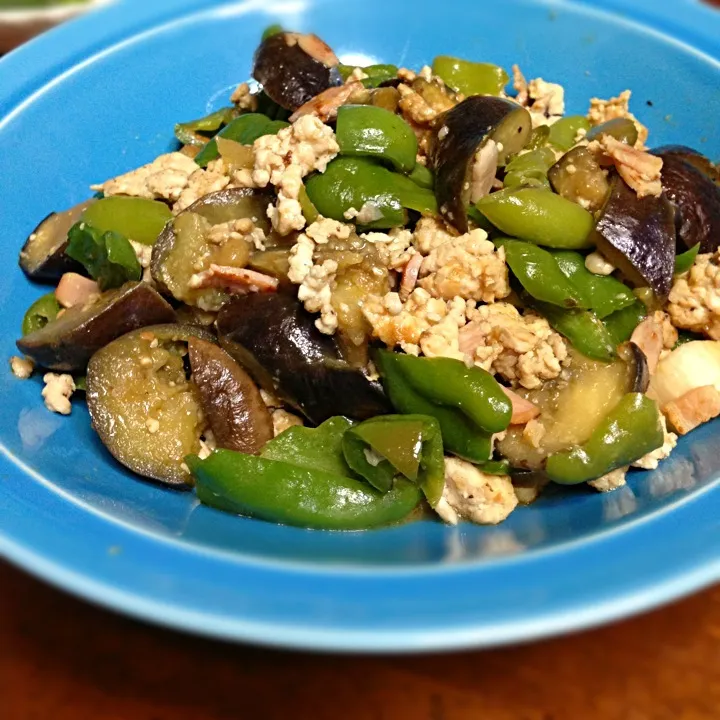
(230, 400)
(578, 177)
(67, 343)
(696, 159)
(294, 68)
(142, 405)
(43, 255)
(695, 196)
(637, 235)
(279, 345)
(462, 132)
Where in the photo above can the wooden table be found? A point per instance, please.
(61, 659)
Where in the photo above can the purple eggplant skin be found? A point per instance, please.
(230, 400)
(693, 157)
(637, 235)
(43, 257)
(67, 343)
(461, 132)
(294, 68)
(277, 342)
(695, 196)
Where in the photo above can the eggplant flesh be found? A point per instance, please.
(43, 255)
(279, 345)
(294, 68)
(463, 132)
(67, 343)
(695, 196)
(637, 235)
(230, 400)
(142, 404)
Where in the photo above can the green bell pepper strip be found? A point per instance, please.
(365, 130)
(245, 129)
(602, 294)
(538, 137)
(495, 467)
(270, 30)
(44, 310)
(309, 211)
(422, 176)
(529, 169)
(621, 324)
(470, 78)
(460, 436)
(282, 492)
(188, 133)
(629, 431)
(684, 261)
(539, 216)
(564, 131)
(376, 74)
(538, 273)
(407, 444)
(414, 197)
(449, 382)
(585, 331)
(622, 129)
(138, 219)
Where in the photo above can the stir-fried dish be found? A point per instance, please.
(357, 292)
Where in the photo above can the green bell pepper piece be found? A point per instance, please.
(585, 331)
(422, 176)
(282, 492)
(44, 310)
(601, 293)
(470, 78)
(188, 133)
(622, 129)
(365, 130)
(138, 219)
(564, 131)
(449, 382)
(538, 273)
(629, 431)
(270, 30)
(309, 211)
(460, 435)
(539, 216)
(529, 169)
(245, 129)
(620, 324)
(495, 467)
(538, 137)
(376, 74)
(684, 261)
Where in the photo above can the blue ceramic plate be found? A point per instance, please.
(100, 96)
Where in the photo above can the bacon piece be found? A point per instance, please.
(237, 281)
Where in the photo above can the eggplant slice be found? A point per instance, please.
(462, 140)
(143, 406)
(637, 235)
(68, 342)
(294, 68)
(43, 255)
(688, 182)
(279, 345)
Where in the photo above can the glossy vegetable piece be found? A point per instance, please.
(463, 134)
(539, 216)
(422, 176)
(137, 219)
(684, 261)
(294, 68)
(279, 345)
(245, 130)
(564, 132)
(621, 323)
(376, 74)
(632, 429)
(578, 177)
(40, 313)
(602, 294)
(637, 235)
(693, 157)
(539, 273)
(696, 199)
(67, 343)
(622, 129)
(43, 255)
(470, 78)
(460, 436)
(143, 407)
(529, 169)
(364, 130)
(189, 133)
(229, 399)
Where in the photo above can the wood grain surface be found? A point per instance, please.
(61, 659)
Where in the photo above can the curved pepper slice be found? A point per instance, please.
(376, 74)
(460, 436)
(684, 261)
(621, 324)
(138, 219)
(44, 310)
(632, 429)
(470, 78)
(563, 132)
(188, 133)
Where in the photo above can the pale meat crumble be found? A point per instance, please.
(694, 301)
(639, 169)
(22, 368)
(57, 392)
(617, 107)
(544, 100)
(652, 459)
(612, 481)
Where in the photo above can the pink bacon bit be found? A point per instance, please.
(326, 104)
(523, 411)
(410, 274)
(237, 281)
